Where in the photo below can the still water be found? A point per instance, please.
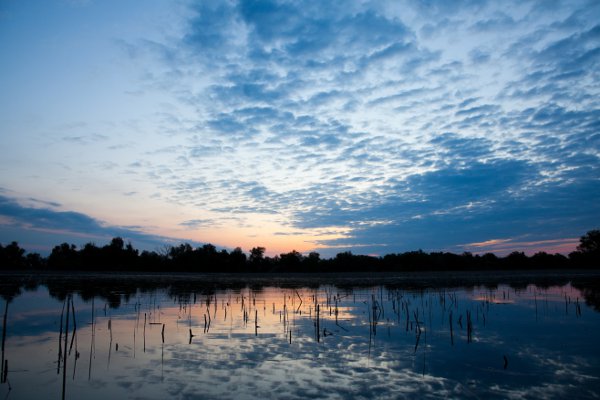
(193, 338)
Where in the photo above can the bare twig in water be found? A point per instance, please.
(74, 335)
(469, 328)
(64, 381)
(451, 329)
(4, 362)
(256, 322)
(92, 341)
(62, 313)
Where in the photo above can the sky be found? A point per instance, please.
(373, 127)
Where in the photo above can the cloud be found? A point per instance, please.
(506, 246)
(196, 223)
(39, 229)
(85, 139)
(352, 116)
(427, 124)
(538, 217)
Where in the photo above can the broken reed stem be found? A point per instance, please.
(318, 323)
(299, 305)
(62, 313)
(92, 341)
(64, 381)
(375, 315)
(451, 329)
(336, 311)
(74, 339)
(469, 328)
(536, 307)
(416, 315)
(144, 332)
(73, 336)
(4, 362)
(418, 330)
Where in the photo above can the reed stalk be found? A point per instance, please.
(62, 313)
(4, 362)
(64, 380)
(451, 329)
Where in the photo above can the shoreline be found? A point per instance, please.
(412, 278)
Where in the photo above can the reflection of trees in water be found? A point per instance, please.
(590, 290)
(542, 282)
(592, 297)
(12, 286)
(116, 289)
(10, 291)
(110, 291)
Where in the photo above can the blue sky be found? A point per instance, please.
(368, 126)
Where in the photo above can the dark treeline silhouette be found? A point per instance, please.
(118, 256)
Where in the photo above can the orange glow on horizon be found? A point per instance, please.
(507, 246)
(273, 236)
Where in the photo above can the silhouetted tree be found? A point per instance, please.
(257, 255)
(237, 260)
(290, 261)
(312, 262)
(543, 260)
(516, 260)
(182, 257)
(489, 261)
(11, 256)
(34, 260)
(64, 256)
(207, 258)
(588, 250)
(590, 242)
(118, 256)
(91, 257)
(152, 261)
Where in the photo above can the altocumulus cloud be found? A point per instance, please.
(413, 125)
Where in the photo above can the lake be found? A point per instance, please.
(433, 335)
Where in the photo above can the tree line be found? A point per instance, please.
(118, 256)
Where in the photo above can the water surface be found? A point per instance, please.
(194, 338)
